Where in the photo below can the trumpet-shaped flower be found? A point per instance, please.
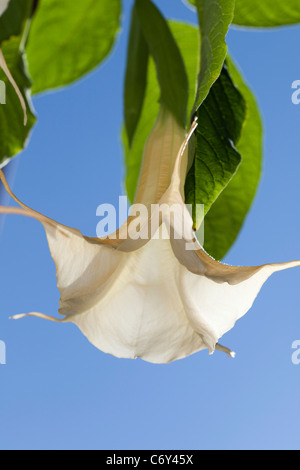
(150, 298)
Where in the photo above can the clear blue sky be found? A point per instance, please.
(59, 392)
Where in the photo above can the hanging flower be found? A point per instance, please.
(153, 298)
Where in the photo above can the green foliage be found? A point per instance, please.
(187, 38)
(13, 133)
(264, 13)
(220, 120)
(67, 39)
(224, 220)
(214, 20)
(70, 38)
(12, 22)
(170, 68)
(213, 179)
(267, 13)
(136, 76)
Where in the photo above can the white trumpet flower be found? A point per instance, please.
(153, 299)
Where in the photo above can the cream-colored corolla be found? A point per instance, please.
(154, 299)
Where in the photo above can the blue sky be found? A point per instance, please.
(59, 392)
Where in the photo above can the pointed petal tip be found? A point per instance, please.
(17, 317)
(227, 351)
(37, 315)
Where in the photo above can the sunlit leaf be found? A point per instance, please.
(187, 38)
(70, 38)
(224, 220)
(14, 134)
(136, 76)
(266, 13)
(170, 68)
(220, 120)
(11, 113)
(214, 20)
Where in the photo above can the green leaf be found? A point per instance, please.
(187, 38)
(170, 68)
(225, 217)
(70, 38)
(264, 13)
(136, 76)
(215, 18)
(11, 114)
(12, 22)
(220, 120)
(14, 133)
(224, 220)
(267, 13)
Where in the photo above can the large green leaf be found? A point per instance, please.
(170, 67)
(215, 18)
(187, 38)
(224, 220)
(220, 120)
(13, 133)
(264, 13)
(69, 38)
(12, 22)
(267, 13)
(136, 76)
